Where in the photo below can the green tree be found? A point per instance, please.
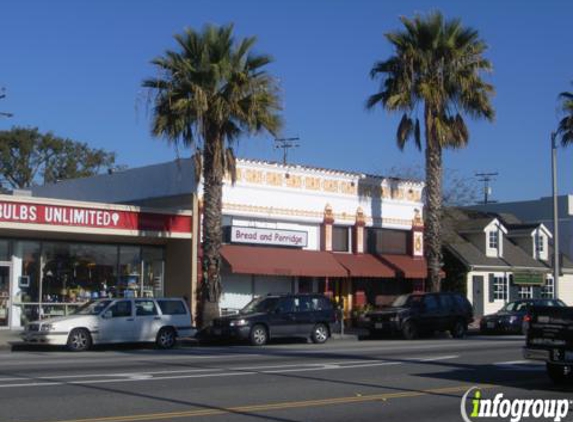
(207, 94)
(436, 67)
(565, 128)
(2, 96)
(28, 157)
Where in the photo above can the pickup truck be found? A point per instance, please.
(550, 339)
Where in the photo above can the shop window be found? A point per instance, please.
(153, 271)
(5, 250)
(129, 284)
(525, 292)
(29, 281)
(340, 239)
(386, 241)
(500, 288)
(548, 289)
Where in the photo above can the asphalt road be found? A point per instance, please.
(390, 380)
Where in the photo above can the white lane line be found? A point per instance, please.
(148, 376)
(520, 365)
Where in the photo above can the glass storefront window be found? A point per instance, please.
(152, 271)
(129, 284)
(5, 250)
(29, 281)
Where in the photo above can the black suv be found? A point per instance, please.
(273, 316)
(421, 313)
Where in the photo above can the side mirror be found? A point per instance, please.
(107, 315)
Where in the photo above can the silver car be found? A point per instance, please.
(158, 320)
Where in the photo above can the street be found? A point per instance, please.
(339, 381)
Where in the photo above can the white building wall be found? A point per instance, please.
(565, 289)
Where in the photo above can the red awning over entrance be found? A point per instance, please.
(408, 266)
(364, 265)
(281, 261)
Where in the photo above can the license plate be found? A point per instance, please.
(217, 331)
(378, 325)
(491, 325)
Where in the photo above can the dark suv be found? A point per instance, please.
(273, 316)
(421, 313)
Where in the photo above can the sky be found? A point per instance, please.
(75, 68)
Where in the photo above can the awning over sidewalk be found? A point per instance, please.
(409, 267)
(364, 265)
(281, 261)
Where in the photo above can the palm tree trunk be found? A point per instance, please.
(433, 212)
(210, 291)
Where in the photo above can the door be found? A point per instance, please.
(4, 295)
(147, 320)
(432, 314)
(283, 320)
(477, 281)
(117, 323)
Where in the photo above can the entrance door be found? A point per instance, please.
(478, 295)
(4, 295)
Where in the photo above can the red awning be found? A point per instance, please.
(281, 261)
(364, 265)
(410, 267)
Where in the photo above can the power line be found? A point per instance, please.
(486, 178)
(285, 144)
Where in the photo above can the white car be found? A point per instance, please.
(159, 320)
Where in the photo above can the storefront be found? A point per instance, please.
(56, 255)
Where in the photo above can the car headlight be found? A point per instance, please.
(395, 318)
(46, 327)
(239, 323)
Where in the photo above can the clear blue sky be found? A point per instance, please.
(75, 68)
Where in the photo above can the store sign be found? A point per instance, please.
(269, 237)
(57, 215)
(529, 279)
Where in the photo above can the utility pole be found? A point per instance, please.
(285, 144)
(486, 178)
(555, 213)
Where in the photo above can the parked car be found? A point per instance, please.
(511, 318)
(273, 316)
(159, 320)
(550, 339)
(421, 313)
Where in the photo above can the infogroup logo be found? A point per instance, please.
(513, 410)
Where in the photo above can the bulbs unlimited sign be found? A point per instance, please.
(269, 237)
(31, 213)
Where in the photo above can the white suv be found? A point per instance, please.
(159, 320)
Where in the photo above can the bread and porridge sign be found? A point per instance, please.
(270, 237)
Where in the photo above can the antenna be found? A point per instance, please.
(486, 178)
(285, 144)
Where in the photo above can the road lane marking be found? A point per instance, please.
(281, 405)
(520, 365)
(143, 376)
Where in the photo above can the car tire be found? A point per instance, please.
(558, 375)
(79, 340)
(259, 335)
(459, 329)
(319, 334)
(166, 338)
(409, 330)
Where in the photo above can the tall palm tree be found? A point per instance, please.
(565, 128)
(436, 67)
(207, 94)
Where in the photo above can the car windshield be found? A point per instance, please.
(407, 300)
(92, 308)
(261, 304)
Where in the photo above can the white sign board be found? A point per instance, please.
(269, 237)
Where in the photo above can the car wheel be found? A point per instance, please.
(79, 340)
(409, 330)
(166, 338)
(259, 335)
(459, 330)
(319, 334)
(559, 374)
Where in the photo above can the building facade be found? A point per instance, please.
(356, 237)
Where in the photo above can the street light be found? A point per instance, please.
(555, 214)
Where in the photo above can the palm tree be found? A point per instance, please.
(565, 128)
(207, 94)
(436, 66)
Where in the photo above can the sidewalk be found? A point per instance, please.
(7, 337)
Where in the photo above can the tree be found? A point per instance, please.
(209, 93)
(2, 96)
(565, 128)
(436, 66)
(28, 157)
(458, 190)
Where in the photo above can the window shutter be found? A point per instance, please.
(490, 285)
(537, 292)
(513, 289)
